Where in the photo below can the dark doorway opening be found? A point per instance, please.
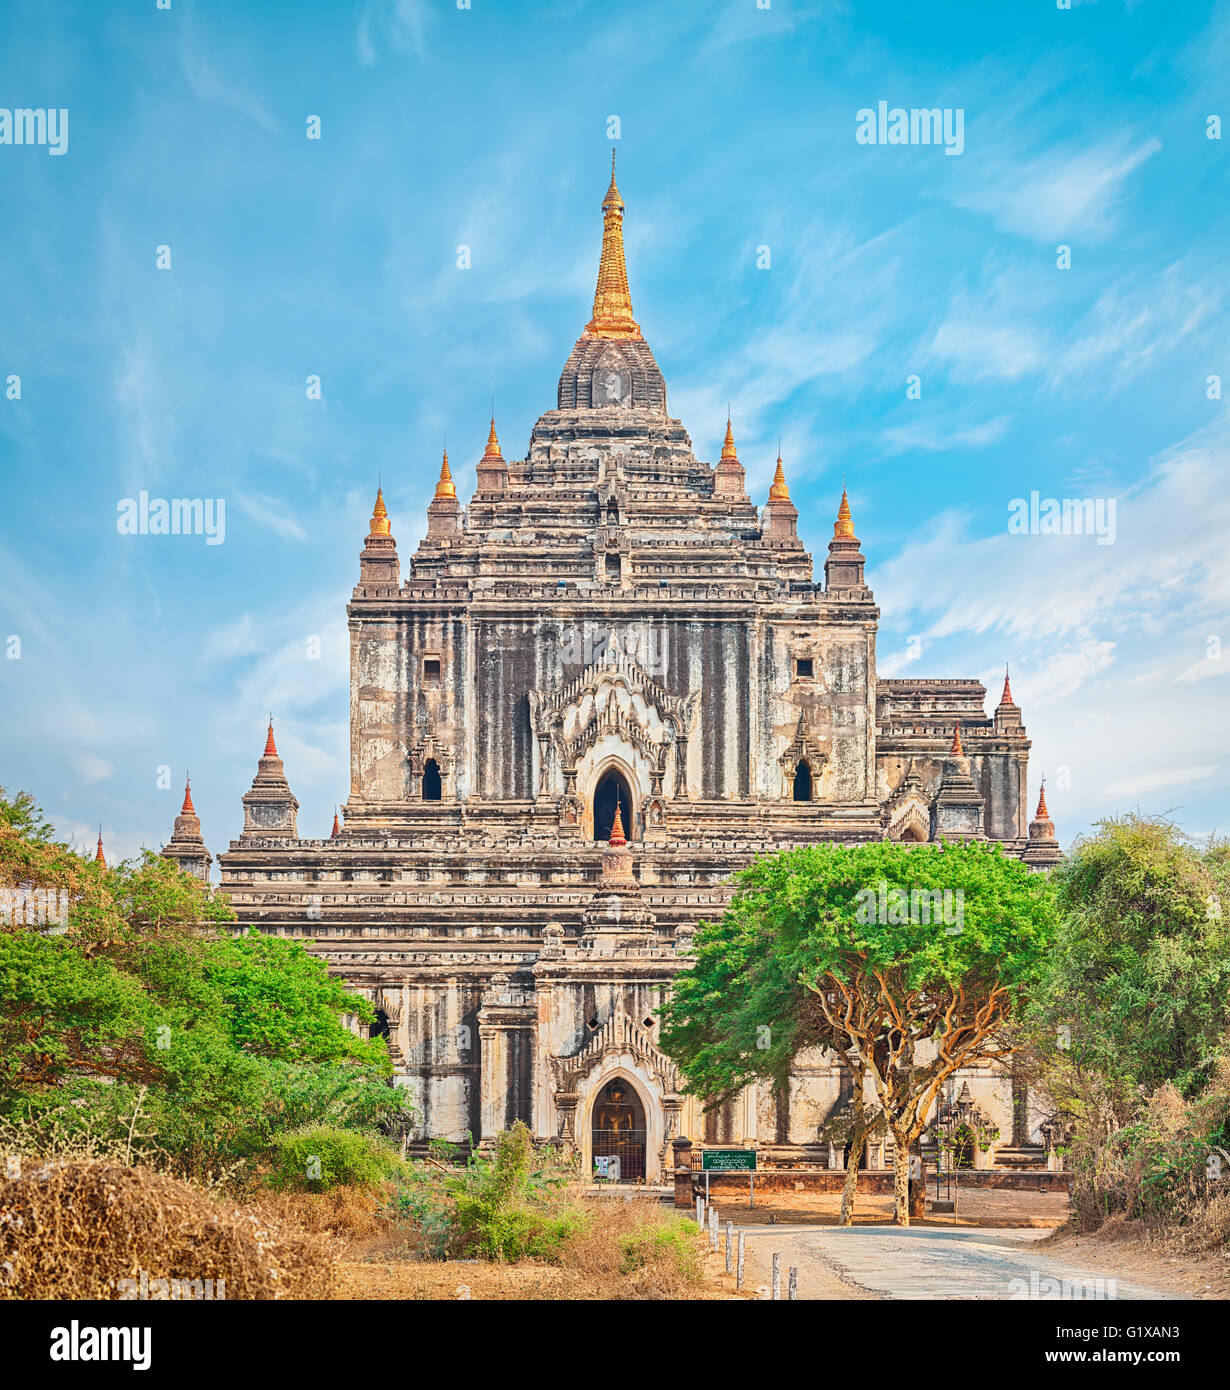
(380, 1029)
(431, 780)
(612, 789)
(619, 1129)
(802, 781)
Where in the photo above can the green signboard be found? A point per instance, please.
(728, 1161)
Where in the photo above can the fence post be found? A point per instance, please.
(739, 1266)
(777, 1278)
(729, 1228)
(713, 1228)
(700, 1212)
(792, 1292)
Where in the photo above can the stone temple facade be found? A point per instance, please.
(592, 693)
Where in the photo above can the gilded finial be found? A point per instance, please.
(336, 828)
(445, 487)
(617, 829)
(612, 300)
(1006, 697)
(843, 527)
(99, 857)
(380, 516)
(728, 445)
(778, 491)
(187, 809)
(1042, 813)
(493, 444)
(956, 751)
(271, 748)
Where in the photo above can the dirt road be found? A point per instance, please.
(837, 1262)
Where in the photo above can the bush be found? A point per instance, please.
(324, 1156)
(86, 1229)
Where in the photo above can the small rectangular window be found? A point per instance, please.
(431, 670)
(803, 667)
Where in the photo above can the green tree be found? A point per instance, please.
(224, 1041)
(852, 949)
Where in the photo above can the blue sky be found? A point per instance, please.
(489, 128)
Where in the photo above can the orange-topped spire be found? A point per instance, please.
(337, 830)
(1042, 813)
(187, 809)
(843, 527)
(271, 748)
(1006, 697)
(380, 516)
(446, 487)
(778, 491)
(99, 857)
(493, 444)
(956, 751)
(617, 828)
(728, 444)
(612, 301)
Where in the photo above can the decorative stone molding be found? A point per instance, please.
(618, 1035)
(612, 696)
(803, 747)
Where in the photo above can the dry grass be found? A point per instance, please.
(621, 1250)
(78, 1228)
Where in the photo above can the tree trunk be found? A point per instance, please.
(901, 1180)
(858, 1142)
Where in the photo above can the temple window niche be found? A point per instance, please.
(802, 781)
(431, 780)
(612, 789)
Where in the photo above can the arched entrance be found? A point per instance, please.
(431, 780)
(618, 1129)
(802, 781)
(611, 789)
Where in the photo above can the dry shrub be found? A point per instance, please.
(633, 1250)
(76, 1228)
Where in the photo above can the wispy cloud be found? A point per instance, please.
(1155, 781)
(271, 513)
(1061, 194)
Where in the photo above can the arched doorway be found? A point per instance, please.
(612, 789)
(618, 1129)
(802, 781)
(431, 780)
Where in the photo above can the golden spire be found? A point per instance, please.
(728, 444)
(380, 517)
(617, 828)
(612, 302)
(1042, 813)
(493, 444)
(99, 858)
(778, 491)
(445, 487)
(843, 527)
(956, 751)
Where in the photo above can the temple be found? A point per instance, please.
(601, 686)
